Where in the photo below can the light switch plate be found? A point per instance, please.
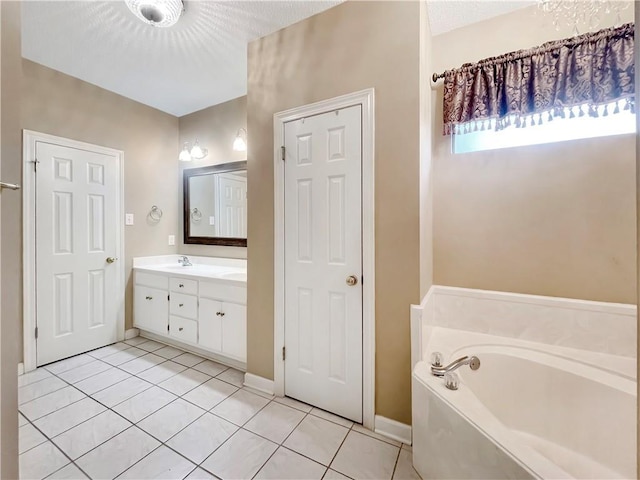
(172, 239)
(212, 220)
(128, 219)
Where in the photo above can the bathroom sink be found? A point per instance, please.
(239, 276)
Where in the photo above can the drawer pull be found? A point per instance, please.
(148, 297)
(181, 304)
(218, 314)
(222, 314)
(181, 285)
(180, 329)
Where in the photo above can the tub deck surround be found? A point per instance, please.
(201, 307)
(560, 408)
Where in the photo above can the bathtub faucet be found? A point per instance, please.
(439, 371)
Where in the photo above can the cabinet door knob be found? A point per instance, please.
(180, 329)
(181, 285)
(218, 314)
(181, 304)
(148, 297)
(222, 314)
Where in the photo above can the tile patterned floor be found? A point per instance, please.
(142, 410)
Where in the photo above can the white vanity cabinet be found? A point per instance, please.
(210, 315)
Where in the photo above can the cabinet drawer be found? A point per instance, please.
(183, 329)
(184, 305)
(220, 291)
(182, 285)
(151, 280)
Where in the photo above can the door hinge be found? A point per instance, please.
(168, 297)
(282, 149)
(284, 353)
(36, 333)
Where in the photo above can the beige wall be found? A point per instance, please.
(556, 219)
(65, 106)
(10, 156)
(353, 46)
(215, 128)
(637, 62)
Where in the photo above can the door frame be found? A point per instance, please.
(29, 304)
(364, 98)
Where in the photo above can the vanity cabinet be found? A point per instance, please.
(208, 315)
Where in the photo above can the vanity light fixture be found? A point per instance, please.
(194, 153)
(240, 144)
(157, 13)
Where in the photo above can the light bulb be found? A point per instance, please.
(239, 144)
(185, 156)
(197, 152)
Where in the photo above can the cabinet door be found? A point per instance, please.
(151, 309)
(234, 330)
(209, 324)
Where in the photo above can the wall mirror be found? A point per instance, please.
(215, 205)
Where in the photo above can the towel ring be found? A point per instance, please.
(155, 214)
(196, 215)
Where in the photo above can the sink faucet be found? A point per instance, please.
(184, 261)
(439, 371)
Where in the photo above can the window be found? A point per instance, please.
(556, 130)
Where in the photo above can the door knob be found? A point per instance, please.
(111, 259)
(352, 280)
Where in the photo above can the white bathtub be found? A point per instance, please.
(531, 411)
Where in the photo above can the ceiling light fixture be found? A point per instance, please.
(240, 144)
(158, 13)
(192, 153)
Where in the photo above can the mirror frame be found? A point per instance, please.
(196, 172)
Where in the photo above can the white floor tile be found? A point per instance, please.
(34, 376)
(404, 467)
(210, 393)
(317, 439)
(232, 376)
(68, 417)
(331, 417)
(151, 346)
(115, 456)
(407, 447)
(288, 465)
(38, 389)
(333, 475)
(50, 403)
(22, 420)
(162, 463)
(202, 437)
(70, 472)
(85, 371)
(240, 457)
(69, 363)
(275, 422)
(142, 363)
(168, 352)
(29, 437)
(108, 350)
(210, 368)
(169, 420)
(88, 435)
(41, 461)
(188, 359)
(240, 407)
(290, 402)
(102, 380)
(120, 392)
(360, 429)
(268, 396)
(200, 474)
(135, 341)
(124, 356)
(161, 372)
(184, 381)
(365, 457)
(144, 404)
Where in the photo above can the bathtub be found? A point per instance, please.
(532, 410)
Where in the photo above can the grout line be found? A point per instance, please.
(395, 465)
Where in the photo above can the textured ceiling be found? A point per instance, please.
(447, 15)
(197, 63)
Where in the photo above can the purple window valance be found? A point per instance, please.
(573, 76)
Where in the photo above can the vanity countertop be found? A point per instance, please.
(227, 270)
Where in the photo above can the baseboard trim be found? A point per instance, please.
(131, 333)
(259, 383)
(20, 369)
(400, 432)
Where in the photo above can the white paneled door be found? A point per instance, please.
(233, 205)
(323, 261)
(76, 251)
